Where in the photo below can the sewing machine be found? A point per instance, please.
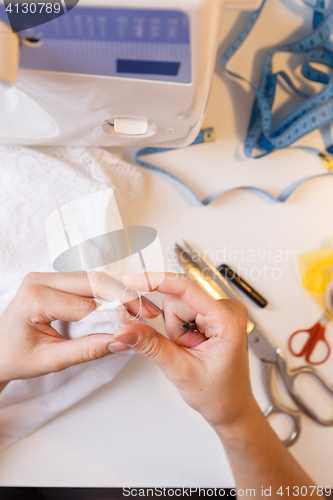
(108, 72)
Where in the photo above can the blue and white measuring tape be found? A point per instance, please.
(205, 136)
(315, 112)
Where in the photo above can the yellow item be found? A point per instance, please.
(327, 160)
(316, 273)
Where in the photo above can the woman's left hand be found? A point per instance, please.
(30, 347)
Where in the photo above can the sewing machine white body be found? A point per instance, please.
(116, 72)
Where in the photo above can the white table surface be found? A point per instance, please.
(137, 431)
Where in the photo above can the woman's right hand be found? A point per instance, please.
(210, 368)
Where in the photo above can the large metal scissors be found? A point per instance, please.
(272, 358)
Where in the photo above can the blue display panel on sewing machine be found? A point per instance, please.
(129, 43)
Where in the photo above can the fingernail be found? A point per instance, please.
(127, 338)
(129, 276)
(153, 308)
(115, 348)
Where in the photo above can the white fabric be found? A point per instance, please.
(34, 183)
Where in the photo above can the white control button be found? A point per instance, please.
(134, 125)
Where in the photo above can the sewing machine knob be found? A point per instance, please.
(136, 125)
(129, 128)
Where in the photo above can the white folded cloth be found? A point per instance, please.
(34, 183)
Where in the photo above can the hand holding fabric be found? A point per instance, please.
(31, 347)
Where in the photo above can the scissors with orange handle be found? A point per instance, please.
(316, 335)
